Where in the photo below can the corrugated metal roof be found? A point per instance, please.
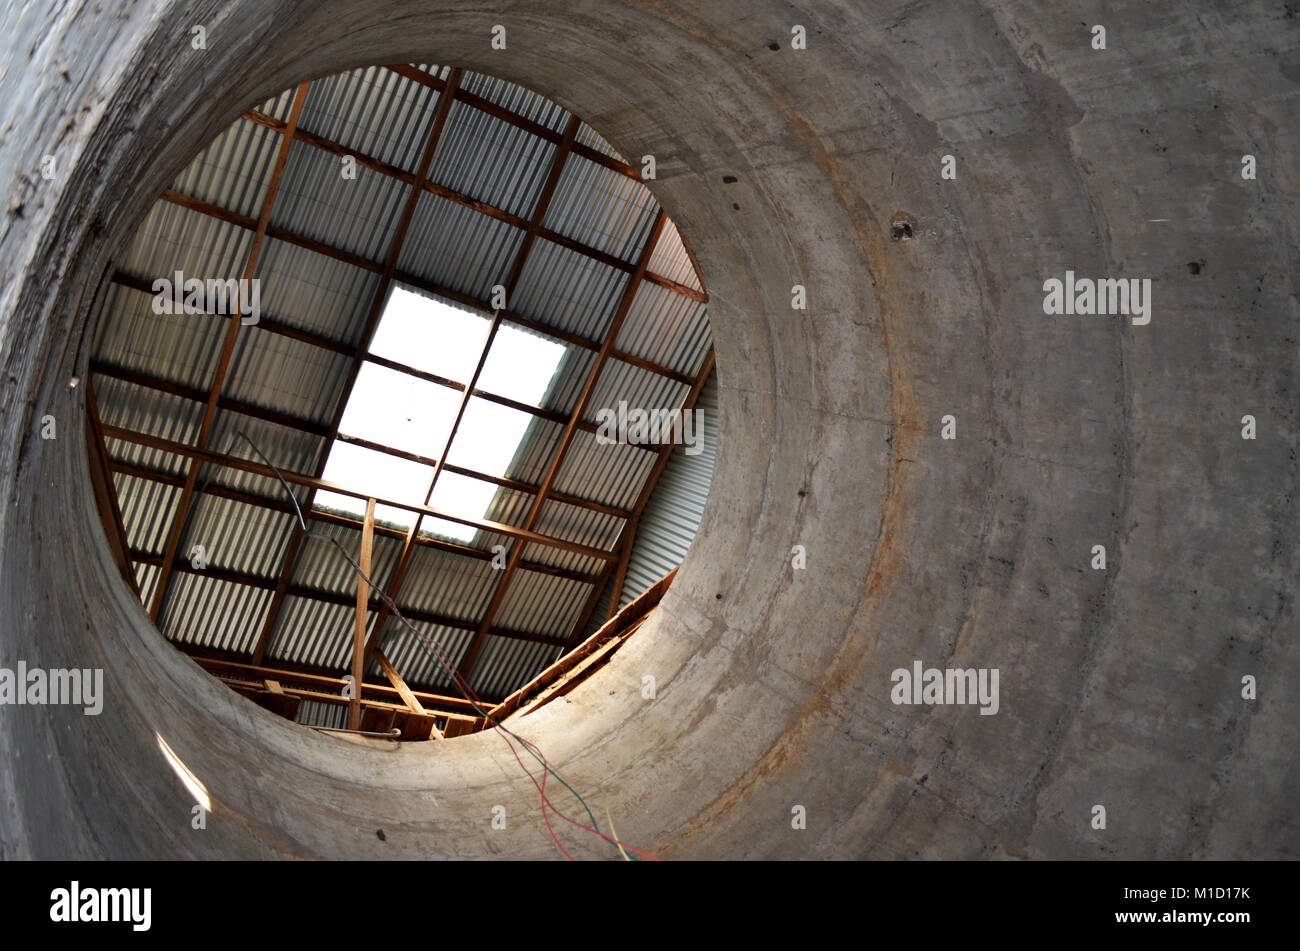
(204, 612)
(235, 170)
(172, 238)
(491, 160)
(506, 663)
(379, 113)
(405, 652)
(372, 111)
(459, 248)
(569, 291)
(313, 292)
(236, 536)
(601, 208)
(670, 259)
(672, 516)
(666, 328)
(516, 99)
(590, 137)
(357, 215)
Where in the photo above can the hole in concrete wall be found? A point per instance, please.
(388, 288)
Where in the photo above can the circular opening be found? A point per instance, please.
(405, 380)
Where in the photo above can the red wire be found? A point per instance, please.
(465, 688)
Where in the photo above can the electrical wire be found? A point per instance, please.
(449, 670)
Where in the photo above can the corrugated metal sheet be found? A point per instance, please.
(319, 713)
(611, 473)
(146, 576)
(182, 348)
(569, 291)
(148, 508)
(542, 604)
(321, 567)
(315, 632)
(279, 373)
(672, 516)
(459, 248)
(236, 536)
(492, 161)
(638, 388)
(235, 170)
(203, 612)
(666, 328)
(148, 411)
(357, 215)
(441, 582)
(670, 259)
(374, 112)
(172, 238)
(590, 137)
(313, 292)
(516, 99)
(420, 670)
(505, 664)
(602, 209)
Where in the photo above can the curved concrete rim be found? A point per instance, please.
(1119, 687)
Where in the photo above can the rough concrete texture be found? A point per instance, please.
(1119, 687)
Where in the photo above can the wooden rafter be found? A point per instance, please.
(234, 322)
(363, 601)
(566, 440)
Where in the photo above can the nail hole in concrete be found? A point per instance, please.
(774, 46)
(380, 833)
(735, 206)
(1194, 267)
(718, 595)
(728, 179)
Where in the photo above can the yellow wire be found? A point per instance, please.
(613, 834)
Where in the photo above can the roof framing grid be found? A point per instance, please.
(471, 655)
(413, 280)
(334, 518)
(512, 280)
(482, 207)
(312, 482)
(363, 345)
(228, 348)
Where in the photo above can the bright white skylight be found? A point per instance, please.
(404, 412)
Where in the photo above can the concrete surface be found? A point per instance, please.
(1119, 688)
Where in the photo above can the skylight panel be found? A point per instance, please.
(520, 365)
(395, 409)
(429, 335)
(377, 474)
(400, 411)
